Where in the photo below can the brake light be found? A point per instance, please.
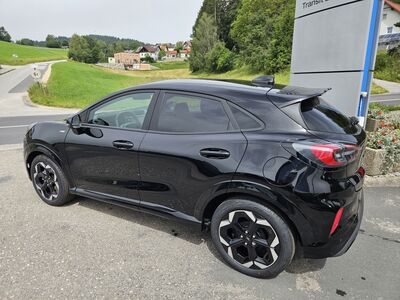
(331, 155)
(336, 220)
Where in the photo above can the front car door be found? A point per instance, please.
(190, 152)
(103, 153)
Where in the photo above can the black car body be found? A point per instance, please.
(196, 143)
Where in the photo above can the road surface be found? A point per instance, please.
(15, 112)
(91, 250)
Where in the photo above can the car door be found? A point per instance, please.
(103, 152)
(190, 151)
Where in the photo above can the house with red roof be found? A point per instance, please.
(389, 35)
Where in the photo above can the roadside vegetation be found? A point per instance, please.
(74, 84)
(14, 54)
(387, 66)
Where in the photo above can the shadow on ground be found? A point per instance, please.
(184, 231)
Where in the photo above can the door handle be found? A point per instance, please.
(123, 145)
(215, 153)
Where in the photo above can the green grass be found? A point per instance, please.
(385, 108)
(77, 85)
(28, 54)
(376, 89)
(171, 65)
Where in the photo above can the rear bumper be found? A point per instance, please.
(342, 240)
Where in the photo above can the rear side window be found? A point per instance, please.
(187, 113)
(245, 120)
(320, 116)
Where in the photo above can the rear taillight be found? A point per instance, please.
(336, 220)
(330, 155)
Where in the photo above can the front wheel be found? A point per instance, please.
(49, 181)
(252, 238)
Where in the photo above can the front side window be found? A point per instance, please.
(186, 113)
(128, 111)
(390, 29)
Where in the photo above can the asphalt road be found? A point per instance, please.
(13, 129)
(386, 99)
(89, 250)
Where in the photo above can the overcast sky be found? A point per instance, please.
(146, 20)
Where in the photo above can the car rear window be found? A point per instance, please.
(320, 116)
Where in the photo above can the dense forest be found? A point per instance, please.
(229, 34)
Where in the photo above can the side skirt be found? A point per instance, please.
(147, 207)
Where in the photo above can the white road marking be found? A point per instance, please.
(13, 126)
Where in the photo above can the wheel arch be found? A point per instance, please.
(40, 150)
(300, 236)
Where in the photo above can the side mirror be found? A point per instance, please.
(74, 121)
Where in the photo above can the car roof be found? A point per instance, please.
(239, 90)
(219, 88)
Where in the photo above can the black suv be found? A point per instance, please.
(270, 172)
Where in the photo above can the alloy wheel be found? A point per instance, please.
(249, 239)
(46, 181)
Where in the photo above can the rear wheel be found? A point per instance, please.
(251, 238)
(49, 181)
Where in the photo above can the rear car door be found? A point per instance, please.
(191, 151)
(103, 153)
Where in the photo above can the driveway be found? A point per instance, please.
(89, 250)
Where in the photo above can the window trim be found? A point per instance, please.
(157, 109)
(146, 122)
(261, 123)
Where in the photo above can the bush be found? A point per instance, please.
(219, 59)
(387, 65)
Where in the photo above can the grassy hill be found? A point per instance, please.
(77, 85)
(74, 84)
(28, 54)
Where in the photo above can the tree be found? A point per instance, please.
(224, 13)
(161, 54)
(219, 59)
(52, 42)
(178, 48)
(263, 32)
(26, 42)
(4, 35)
(204, 39)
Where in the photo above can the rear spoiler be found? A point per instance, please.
(298, 94)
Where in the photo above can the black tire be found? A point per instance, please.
(47, 174)
(268, 241)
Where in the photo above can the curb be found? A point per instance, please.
(391, 180)
(7, 71)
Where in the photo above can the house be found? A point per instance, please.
(111, 60)
(167, 47)
(171, 55)
(149, 50)
(185, 53)
(187, 45)
(128, 58)
(389, 35)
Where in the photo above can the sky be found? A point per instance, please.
(145, 20)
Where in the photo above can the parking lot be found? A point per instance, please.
(95, 250)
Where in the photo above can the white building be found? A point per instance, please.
(389, 35)
(390, 16)
(151, 51)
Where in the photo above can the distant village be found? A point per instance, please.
(139, 59)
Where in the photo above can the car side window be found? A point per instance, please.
(128, 111)
(187, 113)
(245, 120)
